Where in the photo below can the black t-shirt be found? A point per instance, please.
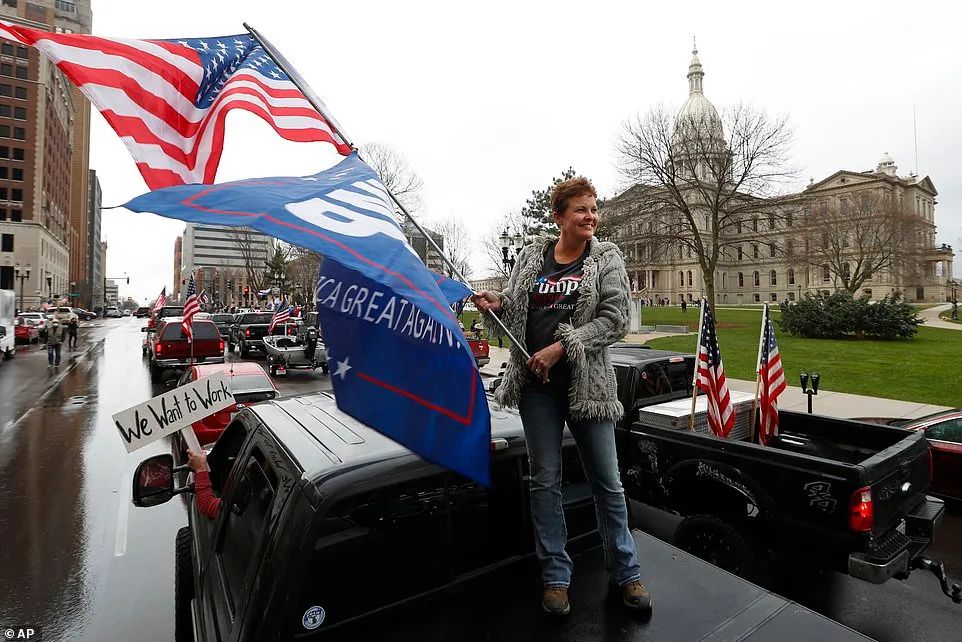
(551, 301)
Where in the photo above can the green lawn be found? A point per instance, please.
(468, 317)
(924, 369)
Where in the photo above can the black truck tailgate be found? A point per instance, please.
(898, 477)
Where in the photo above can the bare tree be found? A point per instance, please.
(250, 245)
(458, 245)
(694, 191)
(396, 174)
(858, 235)
(304, 266)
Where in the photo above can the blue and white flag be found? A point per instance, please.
(399, 369)
(345, 214)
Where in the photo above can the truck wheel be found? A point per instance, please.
(183, 587)
(155, 373)
(719, 543)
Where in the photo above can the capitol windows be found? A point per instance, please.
(791, 276)
(741, 254)
(738, 226)
(757, 298)
(771, 249)
(773, 278)
(741, 280)
(826, 275)
(774, 297)
(681, 279)
(754, 251)
(846, 271)
(791, 296)
(771, 221)
(754, 223)
(756, 278)
(788, 219)
(689, 278)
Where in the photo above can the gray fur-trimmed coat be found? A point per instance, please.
(600, 319)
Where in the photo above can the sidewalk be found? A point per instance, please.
(932, 320)
(826, 402)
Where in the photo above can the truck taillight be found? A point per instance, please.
(247, 332)
(221, 344)
(861, 513)
(159, 349)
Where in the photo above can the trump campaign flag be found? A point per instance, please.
(168, 99)
(345, 214)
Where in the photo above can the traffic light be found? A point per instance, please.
(128, 280)
(230, 285)
(247, 290)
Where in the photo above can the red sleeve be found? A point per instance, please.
(206, 502)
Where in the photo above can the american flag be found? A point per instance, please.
(161, 300)
(710, 376)
(204, 298)
(168, 99)
(772, 380)
(191, 308)
(281, 316)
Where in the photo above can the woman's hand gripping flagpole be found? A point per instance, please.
(319, 105)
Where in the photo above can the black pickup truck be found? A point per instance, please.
(329, 530)
(838, 494)
(248, 332)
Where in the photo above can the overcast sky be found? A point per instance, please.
(488, 101)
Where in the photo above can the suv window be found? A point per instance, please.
(170, 311)
(946, 431)
(201, 330)
(222, 318)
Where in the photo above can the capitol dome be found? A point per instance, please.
(698, 118)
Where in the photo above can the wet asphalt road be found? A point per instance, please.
(80, 561)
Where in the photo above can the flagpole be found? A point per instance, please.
(319, 105)
(694, 385)
(758, 373)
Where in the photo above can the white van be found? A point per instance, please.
(8, 309)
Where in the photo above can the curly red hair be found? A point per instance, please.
(569, 189)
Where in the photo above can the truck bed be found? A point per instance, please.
(691, 599)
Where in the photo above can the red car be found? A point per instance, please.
(481, 351)
(944, 433)
(25, 331)
(249, 384)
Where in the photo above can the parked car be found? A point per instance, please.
(41, 322)
(314, 504)
(170, 348)
(248, 383)
(248, 332)
(943, 430)
(113, 313)
(83, 315)
(25, 330)
(65, 314)
(832, 493)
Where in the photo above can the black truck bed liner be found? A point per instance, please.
(692, 600)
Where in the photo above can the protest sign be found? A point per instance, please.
(167, 413)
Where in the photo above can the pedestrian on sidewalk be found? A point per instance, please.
(54, 342)
(567, 299)
(684, 305)
(73, 323)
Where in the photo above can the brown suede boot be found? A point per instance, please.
(635, 596)
(554, 600)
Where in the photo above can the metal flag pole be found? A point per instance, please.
(694, 380)
(319, 105)
(758, 373)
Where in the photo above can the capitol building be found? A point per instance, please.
(775, 251)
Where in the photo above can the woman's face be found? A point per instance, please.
(580, 219)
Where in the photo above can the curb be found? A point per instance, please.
(55, 384)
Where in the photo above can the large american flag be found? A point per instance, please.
(772, 380)
(161, 300)
(168, 99)
(710, 376)
(282, 314)
(191, 307)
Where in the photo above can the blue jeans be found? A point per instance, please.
(544, 414)
(52, 351)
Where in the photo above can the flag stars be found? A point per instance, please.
(203, 44)
(342, 368)
(274, 74)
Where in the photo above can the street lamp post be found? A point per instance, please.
(49, 281)
(509, 241)
(23, 275)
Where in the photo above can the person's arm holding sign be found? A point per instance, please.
(206, 502)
